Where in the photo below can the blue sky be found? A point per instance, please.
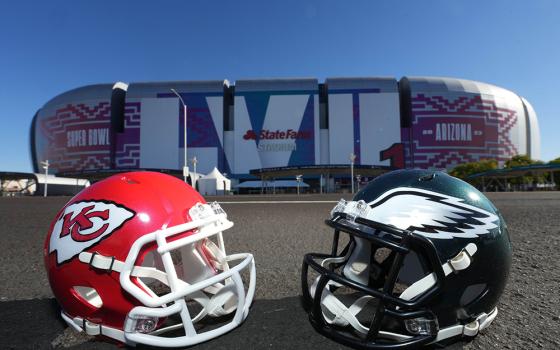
(50, 47)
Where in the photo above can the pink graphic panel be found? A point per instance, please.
(447, 131)
(78, 137)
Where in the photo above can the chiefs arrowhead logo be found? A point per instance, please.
(84, 224)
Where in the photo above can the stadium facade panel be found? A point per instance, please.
(273, 123)
(365, 113)
(155, 122)
(276, 124)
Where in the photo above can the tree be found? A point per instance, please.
(464, 170)
(555, 161)
(521, 160)
(524, 160)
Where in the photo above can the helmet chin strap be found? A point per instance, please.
(336, 313)
(222, 302)
(219, 304)
(460, 262)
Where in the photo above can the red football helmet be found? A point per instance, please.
(139, 257)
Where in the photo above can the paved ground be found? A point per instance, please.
(279, 234)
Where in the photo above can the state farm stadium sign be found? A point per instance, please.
(264, 138)
(277, 135)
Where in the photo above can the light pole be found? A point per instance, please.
(195, 176)
(298, 179)
(45, 165)
(185, 165)
(352, 159)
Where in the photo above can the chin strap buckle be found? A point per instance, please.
(461, 261)
(481, 322)
(91, 328)
(101, 262)
(82, 325)
(470, 329)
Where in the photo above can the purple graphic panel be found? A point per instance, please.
(201, 129)
(304, 154)
(356, 122)
(127, 153)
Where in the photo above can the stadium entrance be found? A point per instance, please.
(323, 178)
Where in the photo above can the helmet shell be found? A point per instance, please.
(149, 201)
(476, 289)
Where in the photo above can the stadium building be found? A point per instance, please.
(274, 128)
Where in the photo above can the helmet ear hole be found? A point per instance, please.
(88, 295)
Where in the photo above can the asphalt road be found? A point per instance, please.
(279, 234)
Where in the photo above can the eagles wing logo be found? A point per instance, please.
(84, 224)
(431, 214)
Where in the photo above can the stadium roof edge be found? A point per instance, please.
(517, 171)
